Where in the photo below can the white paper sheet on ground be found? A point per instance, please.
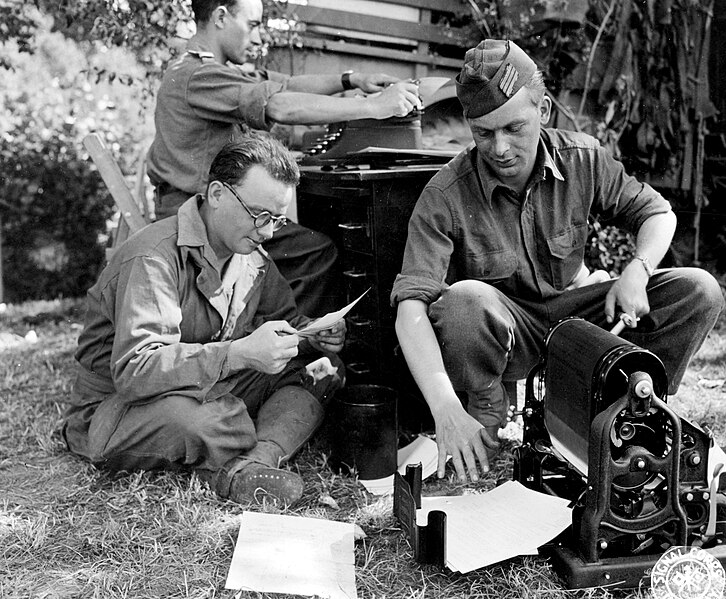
(487, 528)
(293, 555)
(327, 321)
(421, 450)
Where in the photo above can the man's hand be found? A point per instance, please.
(463, 438)
(330, 340)
(372, 82)
(267, 349)
(628, 293)
(396, 100)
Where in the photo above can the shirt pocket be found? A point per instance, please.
(567, 251)
(492, 267)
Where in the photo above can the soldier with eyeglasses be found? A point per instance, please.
(190, 358)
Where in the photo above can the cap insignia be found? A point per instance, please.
(508, 80)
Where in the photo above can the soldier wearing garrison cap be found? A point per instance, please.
(495, 257)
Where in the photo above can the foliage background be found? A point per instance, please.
(54, 207)
(613, 67)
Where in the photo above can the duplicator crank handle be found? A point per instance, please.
(625, 320)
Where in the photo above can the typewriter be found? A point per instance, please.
(395, 140)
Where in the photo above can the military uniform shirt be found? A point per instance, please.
(467, 225)
(200, 107)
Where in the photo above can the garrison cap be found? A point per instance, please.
(492, 73)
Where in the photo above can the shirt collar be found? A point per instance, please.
(197, 47)
(192, 232)
(193, 237)
(543, 162)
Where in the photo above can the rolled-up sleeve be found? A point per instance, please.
(621, 198)
(148, 359)
(217, 92)
(428, 252)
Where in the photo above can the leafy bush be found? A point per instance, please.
(55, 208)
(609, 249)
(53, 205)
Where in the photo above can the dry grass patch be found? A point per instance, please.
(69, 530)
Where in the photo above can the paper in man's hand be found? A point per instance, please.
(327, 321)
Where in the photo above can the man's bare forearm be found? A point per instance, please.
(423, 356)
(655, 236)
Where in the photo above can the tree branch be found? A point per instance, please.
(591, 58)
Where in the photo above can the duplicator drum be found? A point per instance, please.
(641, 479)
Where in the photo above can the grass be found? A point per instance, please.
(68, 530)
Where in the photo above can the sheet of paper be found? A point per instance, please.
(487, 528)
(379, 486)
(407, 152)
(421, 450)
(293, 555)
(569, 456)
(327, 321)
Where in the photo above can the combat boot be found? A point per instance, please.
(285, 422)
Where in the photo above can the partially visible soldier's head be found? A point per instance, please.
(203, 9)
(234, 25)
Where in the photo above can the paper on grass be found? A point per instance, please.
(379, 486)
(327, 321)
(487, 528)
(293, 555)
(422, 450)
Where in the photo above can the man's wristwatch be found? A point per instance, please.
(345, 80)
(646, 265)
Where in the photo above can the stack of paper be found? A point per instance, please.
(293, 555)
(508, 521)
(421, 451)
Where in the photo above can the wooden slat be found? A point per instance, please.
(423, 47)
(456, 7)
(115, 182)
(355, 22)
(377, 52)
(359, 36)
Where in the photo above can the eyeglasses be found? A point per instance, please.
(261, 219)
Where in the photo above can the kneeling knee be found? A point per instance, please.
(705, 290)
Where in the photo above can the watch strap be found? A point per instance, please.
(646, 265)
(345, 80)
